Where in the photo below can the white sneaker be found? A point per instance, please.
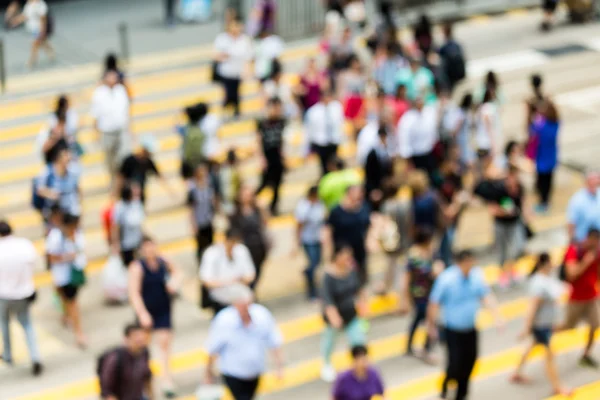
(328, 373)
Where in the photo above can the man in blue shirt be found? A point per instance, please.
(459, 291)
(240, 335)
(583, 212)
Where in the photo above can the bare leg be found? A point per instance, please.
(72, 311)
(49, 49)
(590, 343)
(35, 48)
(517, 376)
(164, 338)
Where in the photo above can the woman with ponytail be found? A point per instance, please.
(546, 291)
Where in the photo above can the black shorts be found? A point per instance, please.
(550, 5)
(69, 292)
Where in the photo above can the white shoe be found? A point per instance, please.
(328, 373)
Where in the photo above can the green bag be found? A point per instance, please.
(193, 146)
(78, 277)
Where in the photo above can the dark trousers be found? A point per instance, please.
(313, 253)
(425, 162)
(170, 10)
(419, 317)
(204, 238)
(272, 176)
(232, 93)
(544, 186)
(325, 153)
(462, 354)
(241, 389)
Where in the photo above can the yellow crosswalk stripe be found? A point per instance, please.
(495, 364)
(309, 326)
(155, 83)
(586, 392)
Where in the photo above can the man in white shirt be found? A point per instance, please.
(110, 110)
(418, 135)
(240, 337)
(324, 126)
(17, 291)
(225, 267)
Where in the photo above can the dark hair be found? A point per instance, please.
(274, 101)
(382, 132)
(467, 101)
(5, 229)
(111, 62)
(550, 112)
(510, 146)
(313, 191)
(126, 193)
(464, 255)
(448, 29)
(276, 67)
(133, 327)
(593, 232)
(488, 95)
(196, 112)
(146, 239)
(536, 81)
(55, 209)
(70, 219)
(231, 157)
(358, 351)
(423, 236)
(340, 248)
(337, 161)
(232, 233)
(62, 104)
(238, 18)
(491, 80)
(543, 258)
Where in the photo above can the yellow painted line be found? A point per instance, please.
(586, 392)
(480, 19)
(145, 85)
(303, 372)
(517, 12)
(492, 365)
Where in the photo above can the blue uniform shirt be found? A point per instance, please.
(584, 212)
(459, 297)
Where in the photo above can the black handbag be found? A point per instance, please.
(215, 77)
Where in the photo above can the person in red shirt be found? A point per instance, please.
(582, 266)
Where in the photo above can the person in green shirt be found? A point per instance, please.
(333, 186)
(418, 80)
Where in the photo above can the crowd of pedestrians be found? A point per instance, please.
(396, 101)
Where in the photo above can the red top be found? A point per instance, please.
(398, 106)
(107, 220)
(585, 287)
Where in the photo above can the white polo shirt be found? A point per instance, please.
(110, 108)
(324, 124)
(16, 268)
(418, 132)
(239, 52)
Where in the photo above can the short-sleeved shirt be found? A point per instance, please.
(334, 185)
(134, 369)
(239, 52)
(349, 387)
(420, 271)
(67, 187)
(57, 245)
(34, 12)
(200, 199)
(549, 290)
(136, 170)
(584, 287)
(341, 292)
(509, 202)
(584, 212)
(271, 132)
(129, 216)
(459, 296)
(311, 216)
(242, 349)
(350, 227)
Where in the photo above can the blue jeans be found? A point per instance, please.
(447, 244)
(20, 308)
(313, 253)
(354, 333)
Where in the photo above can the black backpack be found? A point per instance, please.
(120, 351)
(454, 63)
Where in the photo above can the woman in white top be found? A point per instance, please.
(65, 248)
(489, 137)
(225, 266)
(268, 49)
(36, 19)
(234, 52)
(463, 126)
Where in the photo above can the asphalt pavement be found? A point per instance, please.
(512, 45)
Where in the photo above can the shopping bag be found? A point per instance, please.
(114, 280)
(210, 392)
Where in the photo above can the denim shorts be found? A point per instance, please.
(542, 336)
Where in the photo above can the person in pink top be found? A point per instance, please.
(399, 104)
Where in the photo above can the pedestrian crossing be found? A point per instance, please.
(157, 114)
